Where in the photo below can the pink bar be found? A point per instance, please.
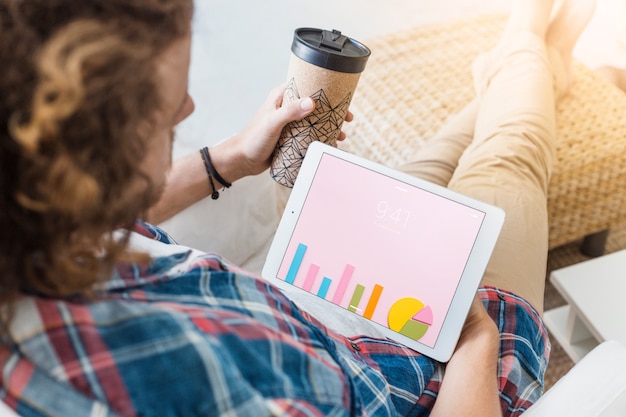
(343, 284)
(310, 277)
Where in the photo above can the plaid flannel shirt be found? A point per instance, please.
(192, 335)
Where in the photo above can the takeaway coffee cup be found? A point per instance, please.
(326, 66)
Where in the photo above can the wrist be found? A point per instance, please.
(482, 340)
(214, 176)
(226, 161)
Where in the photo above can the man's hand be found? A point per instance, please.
(250, 151)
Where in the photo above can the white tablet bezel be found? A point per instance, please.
(468, 283)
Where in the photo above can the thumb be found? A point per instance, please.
(296, 110)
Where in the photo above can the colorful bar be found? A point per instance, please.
(324, 287)
(295, 263)
(356, 298)
(373, 302)
(310, 277)
(343, 284)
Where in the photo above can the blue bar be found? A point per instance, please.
(295, 263)
(324, 287)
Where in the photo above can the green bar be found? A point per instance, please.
(356, 298)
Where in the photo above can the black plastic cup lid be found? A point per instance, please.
(330, 50)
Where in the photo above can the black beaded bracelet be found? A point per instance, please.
(211, 168)
(204, 152)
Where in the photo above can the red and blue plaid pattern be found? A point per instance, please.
(191, 335)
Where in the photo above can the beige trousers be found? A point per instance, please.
(500, 149)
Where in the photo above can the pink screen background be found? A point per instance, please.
(407, 240)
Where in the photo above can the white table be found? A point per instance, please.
(595, 291)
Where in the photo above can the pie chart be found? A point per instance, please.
(410, 317)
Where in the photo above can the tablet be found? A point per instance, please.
(405, 254)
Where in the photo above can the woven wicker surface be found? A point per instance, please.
(416, 79)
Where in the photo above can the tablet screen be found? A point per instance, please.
(382, 248)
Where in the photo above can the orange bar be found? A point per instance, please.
(373, 302)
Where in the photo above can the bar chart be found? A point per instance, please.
(408, 316)
(312, 277)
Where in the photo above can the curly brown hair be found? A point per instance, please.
(77, 82)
